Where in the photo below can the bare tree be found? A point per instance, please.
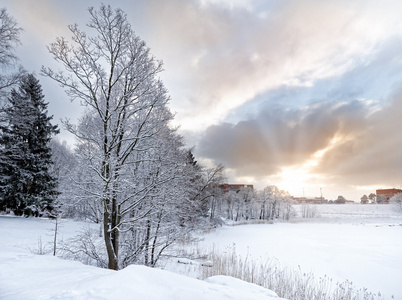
(340, 200)
(373, 198)
(274, 204)
(364, 199)
(396, 200)
(65, 168)
(381, 199)
(9, 39)
(9, 36)
(114, 75)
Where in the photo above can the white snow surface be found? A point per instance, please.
(358, 243)
(24, 275)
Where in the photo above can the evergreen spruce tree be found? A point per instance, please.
(26, 185)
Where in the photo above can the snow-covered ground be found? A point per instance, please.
(24, 275)
(359, 243)
(365, 213)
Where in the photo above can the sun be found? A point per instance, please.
(293, 180)
(299, 180)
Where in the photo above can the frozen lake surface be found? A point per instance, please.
(359, 243)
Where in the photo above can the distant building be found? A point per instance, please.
(235, 187)
(386, 194)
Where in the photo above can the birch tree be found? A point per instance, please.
(113, 73)
(273, 202)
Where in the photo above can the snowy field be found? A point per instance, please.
(359, 243)
(24, 275)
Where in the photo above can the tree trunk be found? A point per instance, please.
(147, 238)
(153, 259)
(55, 236)
(213, 204)
(273, 207)
(109, 241)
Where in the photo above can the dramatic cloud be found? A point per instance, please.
(373, 157)
(280, 138)
(232, 55)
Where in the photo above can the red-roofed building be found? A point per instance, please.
(386, 194)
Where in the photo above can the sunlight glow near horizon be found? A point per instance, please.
(299, 180)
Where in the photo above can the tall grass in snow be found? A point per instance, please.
(286, 282)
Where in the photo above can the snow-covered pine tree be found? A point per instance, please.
(26, 185)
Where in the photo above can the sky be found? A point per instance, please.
(302, 94)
